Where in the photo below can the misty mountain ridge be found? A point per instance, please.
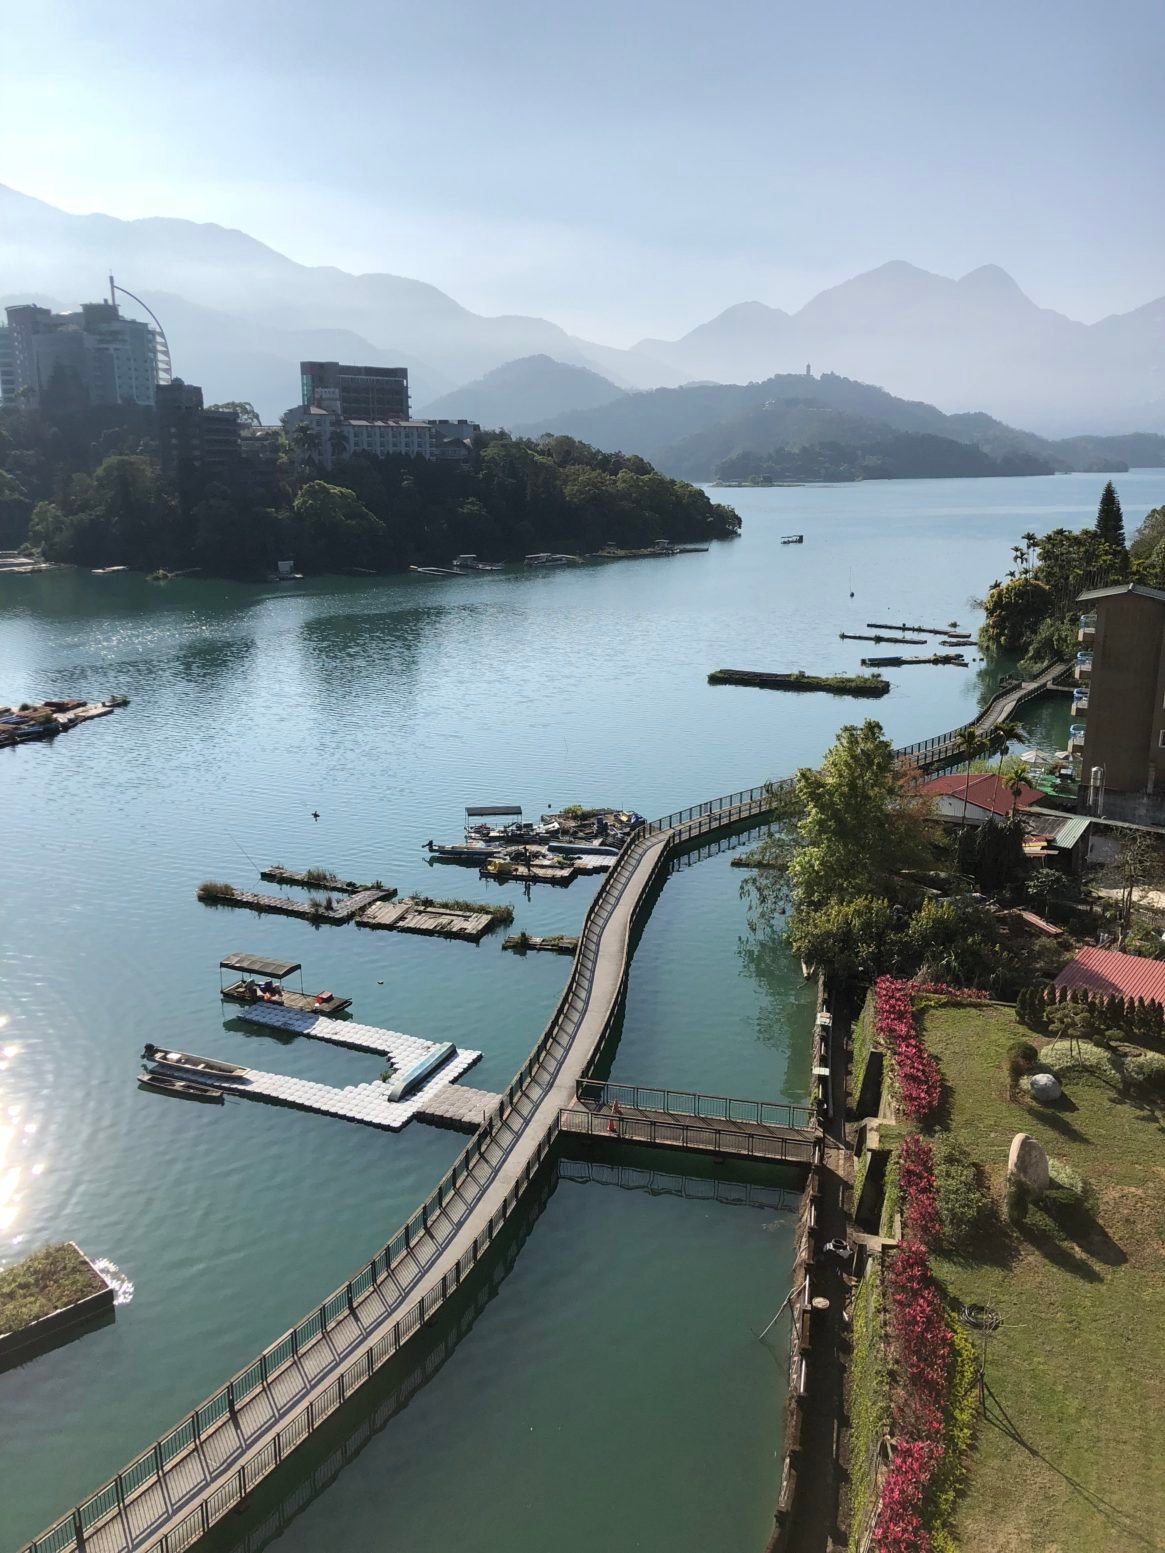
(732, 431)
(525, 390)
(978, 340)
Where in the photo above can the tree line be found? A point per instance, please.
(1033, 612)
(84, 484)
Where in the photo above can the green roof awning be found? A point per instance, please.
(259, 965)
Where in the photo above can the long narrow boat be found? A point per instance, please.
(189, 1063)
(475, 852)
(167, 1084)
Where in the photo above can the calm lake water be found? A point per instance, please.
(387, 706)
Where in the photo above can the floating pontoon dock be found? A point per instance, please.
(367, 1103)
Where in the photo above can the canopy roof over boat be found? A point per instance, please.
(491, 811)
(259, 965)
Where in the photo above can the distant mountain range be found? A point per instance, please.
(240, 316)
(525, 390)
(838, 428)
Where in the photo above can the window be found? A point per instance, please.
(1161, 740)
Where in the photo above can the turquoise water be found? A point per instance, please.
(388, 706)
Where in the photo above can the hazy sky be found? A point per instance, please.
(624, 168)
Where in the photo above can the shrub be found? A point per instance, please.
(1018, 1060)
(1071, 1183)
(1061, 1057)
(1015, 1200)
(1147, 1069)
(211, 889)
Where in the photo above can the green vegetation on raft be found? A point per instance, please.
(503, 914)
(214, 889)
(834, 684)
(48, 1280)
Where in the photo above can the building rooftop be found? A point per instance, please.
(1122, 587)
(984, 789)
(1109, 973)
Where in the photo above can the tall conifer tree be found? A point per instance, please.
(1110, 521)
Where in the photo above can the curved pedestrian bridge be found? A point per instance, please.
(168, 1498)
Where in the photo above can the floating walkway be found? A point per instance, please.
(314, 879)
(557, 944)
(287, 906)
(169, 1499)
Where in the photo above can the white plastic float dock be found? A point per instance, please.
(438, 1098)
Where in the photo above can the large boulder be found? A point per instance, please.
(1045, 1087)
(1028, 1163)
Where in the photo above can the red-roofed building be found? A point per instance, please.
(987, 796)
(1106, 973)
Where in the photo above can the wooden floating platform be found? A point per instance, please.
(954, 659)
(408, 916)
(49, 718)
(833, 684)
(905, 641)
(286, 997)
(900, 625)
(530, 873)
(315, 879)
(560, 943)
(284, 906)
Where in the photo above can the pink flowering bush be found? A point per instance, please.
(899, 1527)
(916, 1183)
(920, 1341)
(919, 1079)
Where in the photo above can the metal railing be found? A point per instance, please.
(774, 1147)
(685, 1102)
(113, 1496)
(457, 1189)
(666, 1183)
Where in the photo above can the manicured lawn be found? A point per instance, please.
(42, 1283)
(1069, 1459)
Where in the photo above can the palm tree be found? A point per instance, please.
(1015, 785)
(1002, 734)
(970, 745)
(1031, 544)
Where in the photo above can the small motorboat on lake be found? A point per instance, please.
(191, 1064)
(184, 1089)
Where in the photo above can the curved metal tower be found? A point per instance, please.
(162, 345)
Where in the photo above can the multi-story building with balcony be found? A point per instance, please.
(197, 445)
(7, 366)
(355, 393)
(1119, 696)
(94, 355)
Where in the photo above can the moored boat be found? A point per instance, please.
(188, 1063)
(185, 1089)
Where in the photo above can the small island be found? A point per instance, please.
(53, 1289)
(832, 684)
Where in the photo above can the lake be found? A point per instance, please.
(387, 706)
